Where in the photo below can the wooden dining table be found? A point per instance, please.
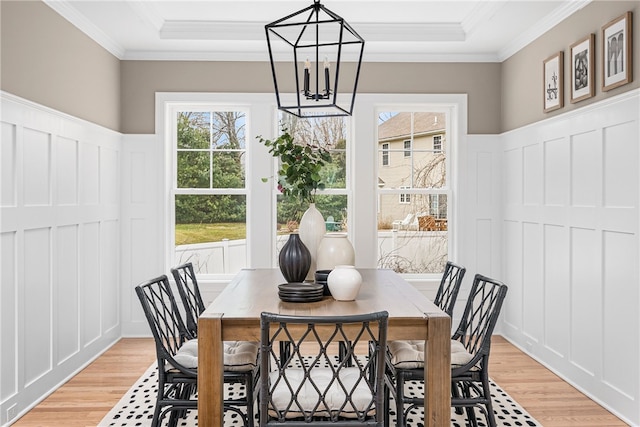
(235, 315)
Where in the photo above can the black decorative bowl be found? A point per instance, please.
(321, 279)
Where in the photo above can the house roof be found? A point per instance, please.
(397, 126)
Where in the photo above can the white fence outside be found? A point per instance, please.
(402, 250)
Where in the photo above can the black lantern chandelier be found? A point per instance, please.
(314, 43)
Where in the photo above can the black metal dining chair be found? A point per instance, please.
(177, 357)
(189, 290)
(314, 386)
(176, 354)
(446, 297)
(470, 349)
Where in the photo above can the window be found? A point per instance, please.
(209, 192)
(405, 198)
(407, 148)
(385, 154)
(438, 206)
(420, 246)
(330, 133)
(437, 143)
(353, 185)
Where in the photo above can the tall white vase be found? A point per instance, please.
(335, 249)
(311, 231)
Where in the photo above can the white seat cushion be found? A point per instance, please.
(187, 355)
(410, 354)
(308, 396)
(238, 355)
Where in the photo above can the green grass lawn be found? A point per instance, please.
(204, 233)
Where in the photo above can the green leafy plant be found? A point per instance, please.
(300, 165)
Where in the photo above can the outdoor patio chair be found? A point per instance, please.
(403, 224)
(427, 223)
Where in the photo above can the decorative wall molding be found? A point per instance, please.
(570, 222)
(60, 242)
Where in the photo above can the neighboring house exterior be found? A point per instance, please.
(411, 155)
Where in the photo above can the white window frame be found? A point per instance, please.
(434, 206)
(368, 106)
(407, 151)
(260, 120)
(362, 181)
(439, 138)
(385, 154)
(405, 198)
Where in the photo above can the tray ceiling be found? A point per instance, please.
(394, 30)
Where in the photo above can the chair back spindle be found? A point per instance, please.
(449, 287)
(190, 295)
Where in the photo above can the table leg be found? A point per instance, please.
(437, 371)
(210, 371)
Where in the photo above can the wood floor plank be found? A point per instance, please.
(85, 399)
(549, 399)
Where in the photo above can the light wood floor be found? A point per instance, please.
(86, 398)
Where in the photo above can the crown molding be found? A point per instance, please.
(69, 13)
(529, 35)
(482, 12)
(242, 30)
(262, 56)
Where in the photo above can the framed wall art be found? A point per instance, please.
(617, 52)
(582, 69)
(552, 80)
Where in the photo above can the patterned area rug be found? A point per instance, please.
(135, 409)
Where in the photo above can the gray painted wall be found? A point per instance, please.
(47, 60)
(522, 73)
(141, 79)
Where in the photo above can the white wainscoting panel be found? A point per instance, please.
(67, 305)
(7, 164)
(37, 302)
(512, 313)
(142, 218)
(571, 248)
(532, 302)
(8, 320)
(60, 243)
(480, 233)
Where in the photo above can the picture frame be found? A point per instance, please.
(552, 82)
(617, 60)
(582, 68)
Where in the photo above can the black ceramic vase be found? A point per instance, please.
(294, 259)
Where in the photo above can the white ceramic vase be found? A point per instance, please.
(311, 230)
(344, 282)
(335, 249)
